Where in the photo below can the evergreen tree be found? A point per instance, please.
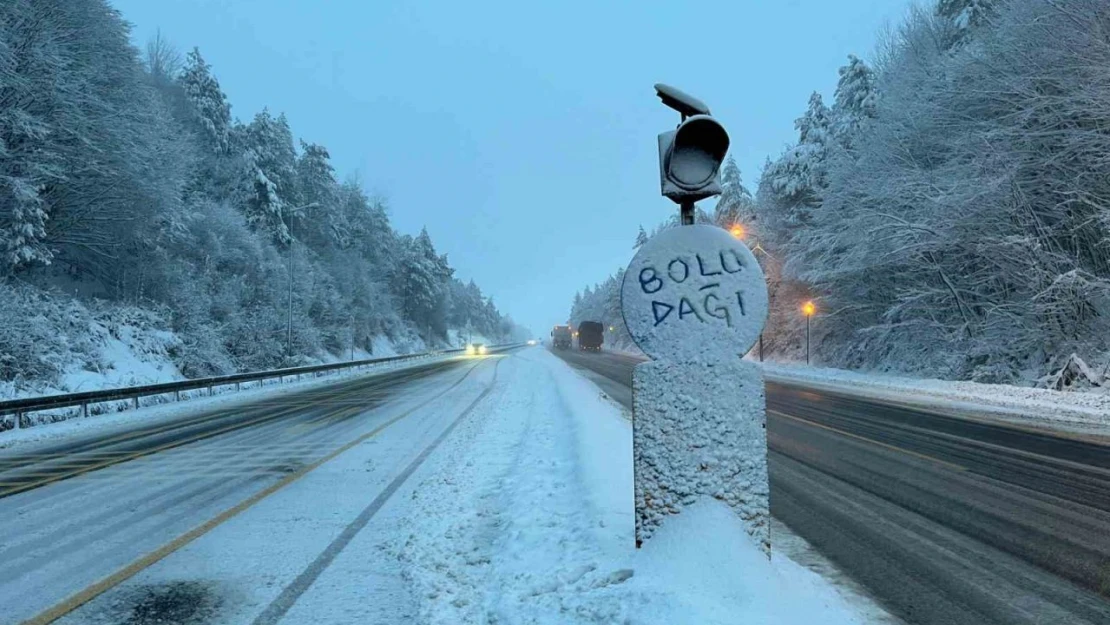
(735, 205)
(856, 100)
(422, 279)
(210, 105)
(316, 187)
(966, 15)
(270, 162)
(29, 160)
(799, 177)
(641, 238)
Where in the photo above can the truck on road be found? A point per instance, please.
(591, 334)
(560, 337)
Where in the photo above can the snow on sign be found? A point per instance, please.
(694, 294)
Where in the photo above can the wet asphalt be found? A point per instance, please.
(943, 519)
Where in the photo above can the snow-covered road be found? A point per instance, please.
(497, 491)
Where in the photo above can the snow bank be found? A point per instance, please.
(128, 355)
(525, 516)
(700, 567)
(1083, 412)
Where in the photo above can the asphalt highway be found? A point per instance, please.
(944, 520)
(80, 517)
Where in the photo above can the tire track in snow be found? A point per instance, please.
(279, 606)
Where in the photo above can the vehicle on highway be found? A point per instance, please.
(591, 334)
(476, 349)
(561, 337)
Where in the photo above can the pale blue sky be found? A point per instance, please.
(522, 134)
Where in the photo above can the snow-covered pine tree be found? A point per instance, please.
(210, 105)
(735, 204)
(856, 100)
(28, 159)
(270, 162)
(966, 15)
(323, 225)
(799, 177)
(421, 281)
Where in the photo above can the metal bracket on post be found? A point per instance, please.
(686, 212)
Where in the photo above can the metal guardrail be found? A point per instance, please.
(21, 407)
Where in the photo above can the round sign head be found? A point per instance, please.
(694, 294)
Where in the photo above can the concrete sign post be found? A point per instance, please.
(694, 300)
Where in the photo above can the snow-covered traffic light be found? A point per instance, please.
(690, 156)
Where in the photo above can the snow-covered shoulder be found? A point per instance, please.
(525, 515)
(1079, 412)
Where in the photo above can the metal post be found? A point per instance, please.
(807, 339)
(85, 410)
(18, 420)
(236, 387)
(135, 401)
(289, 321)
(687, 213)
(177, 395)
(760, 347)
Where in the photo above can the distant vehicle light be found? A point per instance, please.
(471, 350)
(531, 341)
(482, 350)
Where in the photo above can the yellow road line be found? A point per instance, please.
(950, 465)
(91, 592)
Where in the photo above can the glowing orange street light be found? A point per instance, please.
(737, 230)
(808, 309)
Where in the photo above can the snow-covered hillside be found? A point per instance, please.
(147, 234)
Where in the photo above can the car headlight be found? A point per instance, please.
(469, 350)
(482, 350)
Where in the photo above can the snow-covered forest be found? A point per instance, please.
(135, 207)
(949, 211)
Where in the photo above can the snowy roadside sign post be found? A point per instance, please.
(694, 300)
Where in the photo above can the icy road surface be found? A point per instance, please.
(483, 490)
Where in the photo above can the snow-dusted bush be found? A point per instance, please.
(31, 346)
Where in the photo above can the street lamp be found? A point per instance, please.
(737, 230)
(808, 309)
(292, 260)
